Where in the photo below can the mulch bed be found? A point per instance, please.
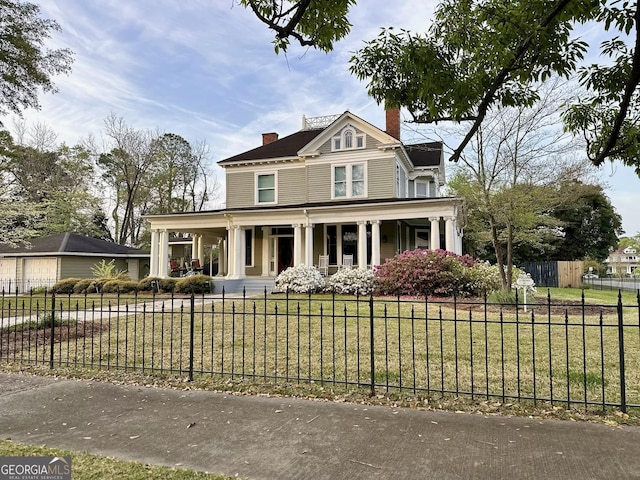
(12, 342)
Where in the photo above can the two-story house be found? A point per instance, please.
(622, 262)
(338, 187)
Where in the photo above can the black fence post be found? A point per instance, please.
(53, 326)
(372, 347)
(192, 317)
(623, 386)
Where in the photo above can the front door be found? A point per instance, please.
(285, 253)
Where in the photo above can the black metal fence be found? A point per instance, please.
(574, 354)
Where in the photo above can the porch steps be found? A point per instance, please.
(251, 286)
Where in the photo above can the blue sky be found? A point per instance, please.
(206, 70)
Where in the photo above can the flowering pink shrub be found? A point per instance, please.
(429, 272)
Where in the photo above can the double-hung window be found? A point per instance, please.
(266, 188)
(349, 181)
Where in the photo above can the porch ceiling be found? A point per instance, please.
(215, 224)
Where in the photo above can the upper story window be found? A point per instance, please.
(349, 180)
(347, 140)
(401, 181)
(422, 189)
(266, 188)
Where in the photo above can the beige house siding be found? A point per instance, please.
(319, 183)
(240, 189)
(388, 247)
(292, 186)
(381, 178)
(80, 267)
(256, 269)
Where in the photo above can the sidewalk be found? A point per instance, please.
(287, 438)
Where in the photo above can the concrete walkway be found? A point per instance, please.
(255, 437)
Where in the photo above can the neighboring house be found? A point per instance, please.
(339, 186)
(622, 262)
(49, 259)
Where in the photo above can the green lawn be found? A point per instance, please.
(418, 346)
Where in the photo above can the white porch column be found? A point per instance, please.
(238, 252)
(435, 233)
(297, 244)
(266, 240)
(375, 243)
(449, 234)
(231, 251)
(163, 259)
(362, 244)
(194, 246)
(200, 250)
(222, 257)
(154, 254)
(308, 244)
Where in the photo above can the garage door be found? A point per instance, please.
(39, 272)
(8, 274)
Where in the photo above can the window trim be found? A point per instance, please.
(339, 142)
(415, 188)
(257, 175)
(349, 180)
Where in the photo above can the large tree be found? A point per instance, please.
(588, 224)
(482, 55)
(147, 172)
(509, 177)
(48, 191)
(26, 64)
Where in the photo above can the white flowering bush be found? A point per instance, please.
(482, 277)
(353, 281)
(299, 279)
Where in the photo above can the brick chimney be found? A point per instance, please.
(393, 122)
(269, 138)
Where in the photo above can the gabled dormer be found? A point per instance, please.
(340, 158)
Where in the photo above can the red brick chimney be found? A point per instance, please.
(269, 138)
(393, 122)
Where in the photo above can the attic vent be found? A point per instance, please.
(318, 122)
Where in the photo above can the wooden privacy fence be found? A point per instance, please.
(555, 274)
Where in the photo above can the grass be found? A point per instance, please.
(567, 358)
(606, 297)
(85, 466)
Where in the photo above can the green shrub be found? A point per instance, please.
(108, 270)
(503, 297)
(65, 286)
(194, 284)
(167, 285)
(83, 286)
(120, 286)
(144, 285)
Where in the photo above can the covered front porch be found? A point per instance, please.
(260, 243)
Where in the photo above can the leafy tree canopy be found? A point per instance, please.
(26, 65)
(317, 23)
(480, 55)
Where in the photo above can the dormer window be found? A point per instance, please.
(348, 139)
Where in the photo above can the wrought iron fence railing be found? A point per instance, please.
(571, 353)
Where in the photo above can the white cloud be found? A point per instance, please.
(206, 70)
